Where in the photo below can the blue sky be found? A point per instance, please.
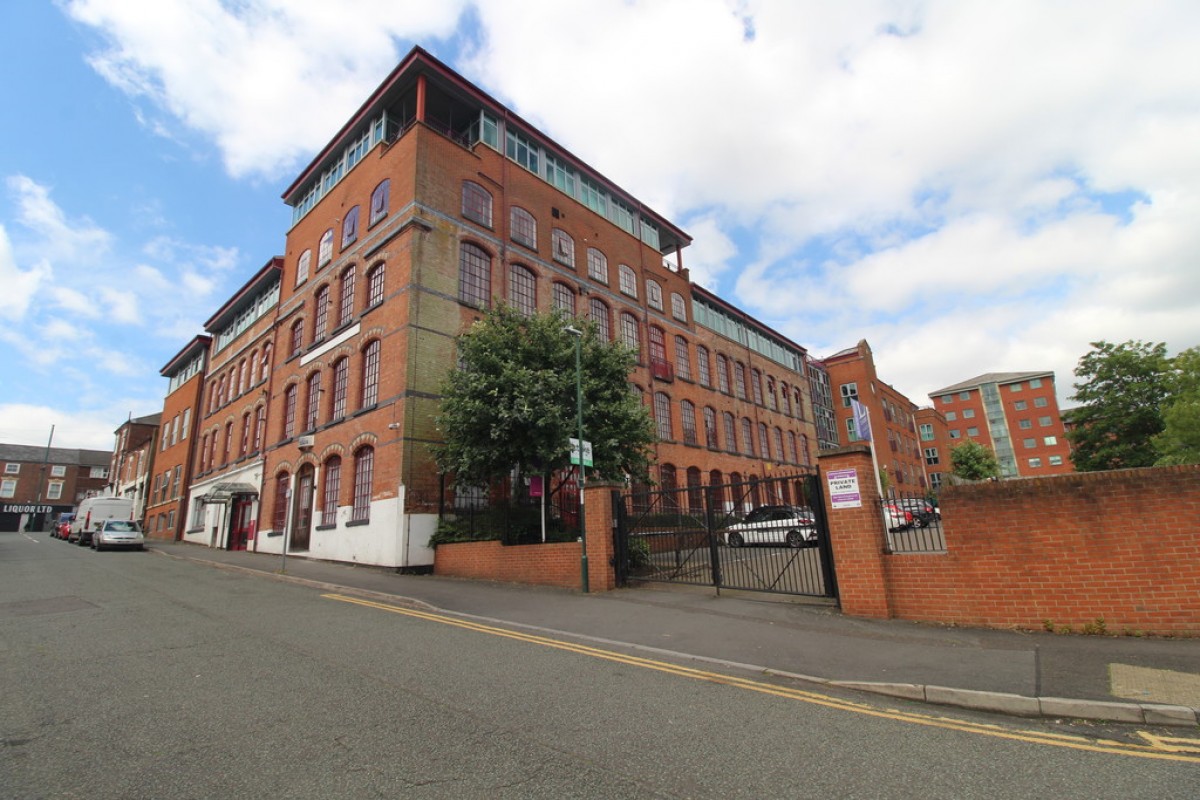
(970, 186)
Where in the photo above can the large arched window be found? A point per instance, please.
(564, 299)
(364, 475)
(627, 280)
(522, 289)
(303, 267)
(730, 431)
(370, 375)
(297, 342)
(662, 416)
(702, 365)
(333, 485)
(380, 200)
(597, 265)
(710, 428)
(629, 333)
(279, 515)
(375, 276)
(477, 203)
(325, 249)
(722, 373)
(654, 294)
(321, 313)
(346, 301)
(683, 364)
(658, 346)
(341, 378)
(474, 275)
(289, 412)
(688, 419)
(562, 247)
(598, 313)
(314, 401)
(350, 228)
(522, 227)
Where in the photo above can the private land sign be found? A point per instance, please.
(843, 488)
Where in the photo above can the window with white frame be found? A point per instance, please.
(1035, 462)
(562, 247)
(654, 295)
(522, 289)
(379, 201)
(522, 227)
(325, 249)
(597, 265)
(350, 228)
(678, 307)
(12, 469)
(58, 471)
(303, 266)
(849, 391)
(1056, 461)
(477, 203)
(564, 299)
(8, 487)
(627, 279)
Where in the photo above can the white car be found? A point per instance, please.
(123, 533)
(793, 526)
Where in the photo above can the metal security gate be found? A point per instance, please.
(761, 534)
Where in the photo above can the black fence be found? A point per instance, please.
(517, 510)
(760, 534)
(913, 524)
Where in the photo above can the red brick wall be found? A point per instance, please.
(1119, 547)
(555, 564)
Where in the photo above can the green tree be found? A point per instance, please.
(1179, 441)
(1121, 389)
(973, 462)
(512, 402)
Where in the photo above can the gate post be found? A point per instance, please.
(856, 535)
(599, 518)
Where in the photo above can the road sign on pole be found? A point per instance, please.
(587, 452)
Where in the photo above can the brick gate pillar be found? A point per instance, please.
(598, 516)
(856, 533)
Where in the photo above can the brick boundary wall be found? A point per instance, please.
(1115, 552)
(554, 564)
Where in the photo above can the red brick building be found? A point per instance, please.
(853, 376)
(39, 483)
(133, 461)
(1014, 414)
(431, 204)
(166, 506)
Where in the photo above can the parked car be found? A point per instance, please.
(94, 510)
(62, 528)
(794, 526)
(923, 512)
(897, 518)
(118, 533)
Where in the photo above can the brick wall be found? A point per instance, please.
(1119, 547)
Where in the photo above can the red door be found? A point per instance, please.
(239, 535)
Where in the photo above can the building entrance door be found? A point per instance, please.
(240, 524)
(304, 508)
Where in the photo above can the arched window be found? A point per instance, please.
(474, 275)
(666, 477)
(710, 428)
(702, 365)
(597, 265)
(350, 228)
(683, 363)
(747, 437)
(688, 418)
(654, 294)
(364, 474)
(772, 400)
(321, 313)
(522, 289)
(244, 441)
(279, 517)
(739, 380)
(260, 424)
(777, 441)
(314, 401)
(756, 386)
(303, 266)
(598, 313)
(325, 249)
(341, 377)
(333, 484)
(380, 200)
(804, 449)
(678, 307)
(266, 361)
(522, 227)
(662, 416)
(289, 412)
(562, 247)
(791, 447)
(695, 490)
(785, 396)
(564, 299)
(722, 373)
(370, 374)
(297, 341)
(629, 333)
(658, 346)
(477, 203)
(375, 276)
(764, 445)
(730, 432)
(627, 279)
(346, 306)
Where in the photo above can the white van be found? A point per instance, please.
(93, 511)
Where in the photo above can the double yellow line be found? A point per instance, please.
(1158, 747)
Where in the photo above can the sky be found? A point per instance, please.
(971, 187)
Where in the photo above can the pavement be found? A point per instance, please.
(1125, 679)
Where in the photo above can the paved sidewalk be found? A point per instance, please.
(1121, 679)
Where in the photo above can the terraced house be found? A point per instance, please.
(432, 203)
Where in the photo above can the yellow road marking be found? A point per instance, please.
(1163, 748)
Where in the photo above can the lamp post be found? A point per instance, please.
(583, 558)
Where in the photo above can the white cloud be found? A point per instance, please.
(60, 237)
(312, 64)
(19, 285)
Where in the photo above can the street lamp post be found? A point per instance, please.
(583, 558)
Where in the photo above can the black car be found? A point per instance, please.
(923, 512)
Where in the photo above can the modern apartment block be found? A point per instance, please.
(434, 202)
(1015, 414)
(934, 441)
(39, 483)
(853, 376)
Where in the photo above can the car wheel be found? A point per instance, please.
(735, 540)
(795, 539)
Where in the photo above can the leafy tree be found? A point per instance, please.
(512, 402)
(1179, 441)
(1121, 389)
(973, 462)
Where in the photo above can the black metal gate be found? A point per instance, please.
(761, 534)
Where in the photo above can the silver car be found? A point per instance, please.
(119, 533)
(794, 526)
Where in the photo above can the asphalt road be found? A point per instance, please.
(133, 675)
